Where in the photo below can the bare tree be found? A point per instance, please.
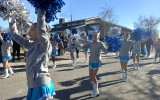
(147, 23)
(107, 15)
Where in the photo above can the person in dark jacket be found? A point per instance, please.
(149, 44)
(16, 50)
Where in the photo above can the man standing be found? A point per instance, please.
(149, 44)
(16, 49)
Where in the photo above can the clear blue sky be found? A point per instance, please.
(127, 11)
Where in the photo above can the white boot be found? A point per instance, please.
(92, 91)
(6, 74)
(54, 65)
(137, 66)
(123, 72)
(126, 76)
(134, 64)
(74, 62)
(11, 71)
(95, 90)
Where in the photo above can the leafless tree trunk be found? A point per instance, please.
(107, 15)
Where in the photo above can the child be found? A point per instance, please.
(124, 55)
(73, 44)
(94, 61)
(6, 55)
(39, 82)
(54, 48)
(85, 41)
(136, 51)
(157, 49)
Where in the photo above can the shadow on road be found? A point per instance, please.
(152, 72)
(16, 69)
(83, 84)
(18, 98)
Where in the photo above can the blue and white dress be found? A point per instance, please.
(124, 50)
(54, 48)
(6, 55)
(41, 92)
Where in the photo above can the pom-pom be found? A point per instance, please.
(57, 38)
(14, 9)
(66, 32)
(114, 43)
(83, 34)
(50, 6)
(138, 34)
(114, 30)
(74, 31)
(7, 37)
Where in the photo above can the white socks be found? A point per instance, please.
(74, 62)
(10, 70)
(95, 92)
(6, 73)
(54, 65)
(136, 65)
(125, 75)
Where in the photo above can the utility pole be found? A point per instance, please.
(70, 12)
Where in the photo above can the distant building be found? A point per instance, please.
(88, 25)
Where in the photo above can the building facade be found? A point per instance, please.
(88, 25)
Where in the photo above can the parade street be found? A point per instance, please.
(73, 83)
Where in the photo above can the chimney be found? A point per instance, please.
(61, 21)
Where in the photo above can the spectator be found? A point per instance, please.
(60, 48)
(65, 42)
(149, 44)
(16, 49)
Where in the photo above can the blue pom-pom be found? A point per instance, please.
(114, 43)
(7, 37)
(74, 31)
(57, 37)
(50, 6)
(138, 34)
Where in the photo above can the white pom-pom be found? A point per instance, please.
(66, 32)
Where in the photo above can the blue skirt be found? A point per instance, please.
(4, 58)
(85, 49)
(72, 51)
(41, 92)
(54, 53)
(136, 51)
(124, 58)
(95, 65)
